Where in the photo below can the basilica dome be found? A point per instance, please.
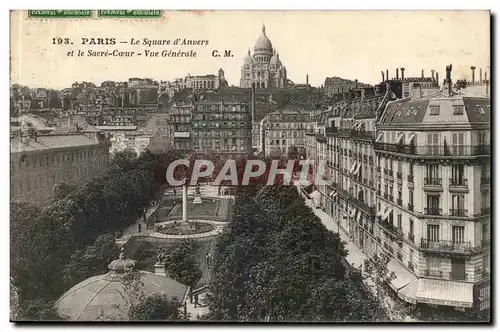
(104, 296)
(263, 44)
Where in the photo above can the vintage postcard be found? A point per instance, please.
(250, 166)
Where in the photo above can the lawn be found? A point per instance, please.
(207, 208)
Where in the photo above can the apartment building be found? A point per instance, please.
(38, 162)
(414, 188)
(433, 195)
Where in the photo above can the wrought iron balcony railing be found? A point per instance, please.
(433, 181)
(410, 207)
(433, 211)
(446, 246)
(399, 175)
(436, 150)
(458, 212)
(454, 182)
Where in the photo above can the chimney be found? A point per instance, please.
(447, 85)
(402, 74)
(473, 73)
(432, 71)
(485, 76)
(387, 74)
(397, 73)
(307, 79)
(382, 72)
(356, 84)
(422, 73)
(253, 102)
(480, 75)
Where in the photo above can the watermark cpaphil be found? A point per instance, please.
(246, 172)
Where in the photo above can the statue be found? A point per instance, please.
(448, 73)
(198, 189)
(160, 255)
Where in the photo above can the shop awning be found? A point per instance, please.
(358, 217)
(353, 167)
(403, 276)
(352, 213)
(386, 213)
(445, 292)
(309, 189)
(356, 170)
(411, 136)
(379, 136)
(400, 138)
(333, 194)
(409, 292)
(382, 210)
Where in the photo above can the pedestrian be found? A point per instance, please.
(139, 227)
(191, 296)
(207, 258)
(196, 300)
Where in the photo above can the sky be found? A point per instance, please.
(348, 44)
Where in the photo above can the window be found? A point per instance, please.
(457, 174)
(434, 110)
(433, 205)
(485, 199)
(432, 172)
(480, 109)
(458, 233)
(433, 233)
(457, 141)
(411, 226)
(400, 221)
(458, 110)
(410, 169)
(457, 204)
(481, 138)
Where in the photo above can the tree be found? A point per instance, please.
(157, 307)
(61, 190)
(277, 262)
(181, 265)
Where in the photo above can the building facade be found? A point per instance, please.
(264, 67)
(222, 127)
(39, 162)
(419, 191)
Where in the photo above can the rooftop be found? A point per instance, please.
(34, 143)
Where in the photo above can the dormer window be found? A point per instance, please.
(480, 109)
(434, 110)
(458, 110)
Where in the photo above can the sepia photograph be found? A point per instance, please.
(182, 166)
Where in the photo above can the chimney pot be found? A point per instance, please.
(422, 73)
(387, 74)
(397, 73)
(480, 75)
(432, 71)
(382, 72)
(402, 74)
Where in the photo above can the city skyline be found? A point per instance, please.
(356, 54)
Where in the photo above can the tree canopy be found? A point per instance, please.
(277, 262)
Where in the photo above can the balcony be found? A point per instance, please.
(457, 276)
(458, 213)
(378, 192)
(433, 184)
(434, 273)
(399, 176)
(363, 134)
(435, 151)
(411, 237)
(446, 246)
(459, 185)
(395, 234)
(410, 207)
(433, 211)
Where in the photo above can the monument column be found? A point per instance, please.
(185, 202)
